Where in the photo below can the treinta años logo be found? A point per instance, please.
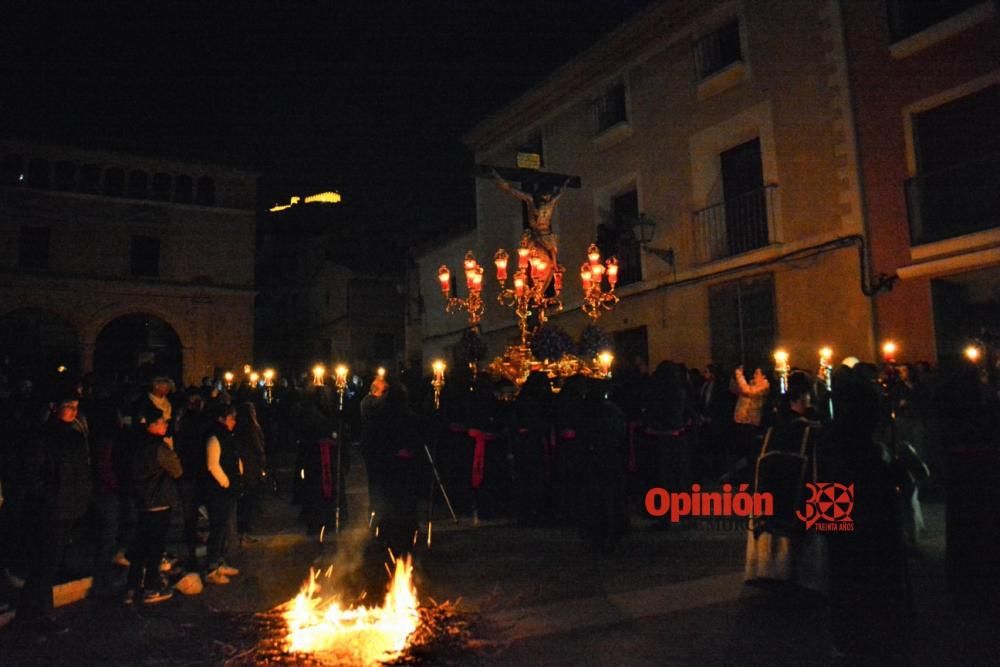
(829, 507)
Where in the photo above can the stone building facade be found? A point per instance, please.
(118, 261)
(926, 84)
(729, 125)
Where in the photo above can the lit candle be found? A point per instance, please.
(269, 375)
(477, 279)
(500, 259)
(781, 368)
(246, 369)
(825, 354)
(781, 361)
(228, 376)
(593, 254)
(613, 271)
(470, 261)
(341, 373)
(586, 276)
(519, 283)
(605, 359)
(444, 275)
(535, 261)
(254, 378)
(318, 372)
(558, 278)
(439, 367)
(972, 353)
(380, 373)
(523, 255)
(889, 352)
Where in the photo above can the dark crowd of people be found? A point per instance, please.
(106, 466)
(103, 468)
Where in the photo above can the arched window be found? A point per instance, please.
(114, 182)
(38, 173)
(65, 175)
(206, 191)
(138, 184)
(161, 187)
(184, 186)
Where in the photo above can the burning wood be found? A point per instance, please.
(320, 626)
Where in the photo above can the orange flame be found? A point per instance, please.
(357, 635)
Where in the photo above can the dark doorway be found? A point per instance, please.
(37, 343)
(137, 347)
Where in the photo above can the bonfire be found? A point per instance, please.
(320, 626)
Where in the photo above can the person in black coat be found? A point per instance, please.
(155, 469)
(396, 455)
(532, 448)
(59, 487)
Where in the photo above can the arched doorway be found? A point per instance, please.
(137, 347)
(36, 344)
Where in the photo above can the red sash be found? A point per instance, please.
(479, 455)
(326, 466)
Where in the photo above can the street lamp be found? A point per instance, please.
(644, 227)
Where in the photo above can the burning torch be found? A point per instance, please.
(826, 372)
(269, 385)
(781, 368)
(340, 377)
(438, 381)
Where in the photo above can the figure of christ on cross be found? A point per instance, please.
(541, 206)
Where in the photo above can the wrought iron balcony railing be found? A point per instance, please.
(737, 225)
(951, 202)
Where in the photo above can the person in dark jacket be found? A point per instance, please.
(155, 469)
(59, 486)
(252, 449)
(225, 474)
(192, 430)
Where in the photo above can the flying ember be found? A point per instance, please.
(318, 625)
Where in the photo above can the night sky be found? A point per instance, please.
(369, 98)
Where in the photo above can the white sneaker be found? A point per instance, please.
(216, 577)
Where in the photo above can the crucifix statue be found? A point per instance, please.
(540, 199)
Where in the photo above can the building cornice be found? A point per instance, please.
(636, 40)
(151, 287)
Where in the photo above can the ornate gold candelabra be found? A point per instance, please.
(473, 303)
(592, 274)
(530, 290)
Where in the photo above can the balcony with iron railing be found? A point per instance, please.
(735, 226)
(961, 199)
